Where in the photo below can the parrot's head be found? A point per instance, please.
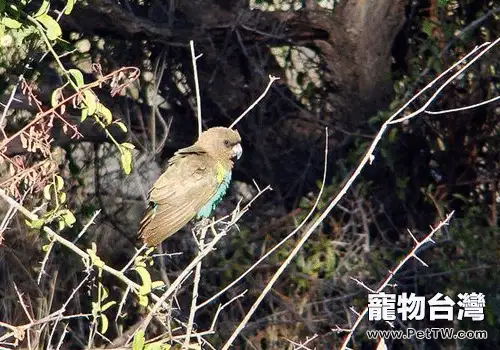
(222, 142)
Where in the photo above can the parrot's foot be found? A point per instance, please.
(204, 223)
(200, 230)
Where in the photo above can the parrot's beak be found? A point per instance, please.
(237, 151)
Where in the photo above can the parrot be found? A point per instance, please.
(196, 179)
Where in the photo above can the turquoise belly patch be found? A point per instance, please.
(207, 209)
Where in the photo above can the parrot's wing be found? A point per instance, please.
(186, 186)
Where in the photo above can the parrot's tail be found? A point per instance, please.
(148, 216)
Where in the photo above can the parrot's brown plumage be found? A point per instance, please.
(195, 181)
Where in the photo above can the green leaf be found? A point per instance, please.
(90, 101)
(139, 340)
(43, 9)
(460, 196)
(392, 134)
(126, 160)
(78, 77)
(104, 324)
(53, 29)
(69, 7)
(427, 27)
(2, 5)
(11, 23)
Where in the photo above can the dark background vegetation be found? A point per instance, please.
(347, 67)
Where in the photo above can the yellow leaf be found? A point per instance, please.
(143, 300)
(46, 192)
(85, 113)
(62, 197)
(11, 23)
(69, 7)
(121, 125)
(128, 145)
(78, 77)
(104, 292)
(43, 9)
(139, 339)
(59, 182)
(146, 280)
(53, 29)
(157, 284)
(105, 113)
(94, 259)
(54, 98)
(104, 324)
(47, 247)
(36, 224)
(60, 224)
(107, 305)
(90, 101)
(126, 160)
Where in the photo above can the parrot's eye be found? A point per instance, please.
(227, 143)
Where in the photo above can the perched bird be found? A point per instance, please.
(195, 181)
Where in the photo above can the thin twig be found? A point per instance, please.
(63, 308)
(44, 262)
(196, 284)
(197, 86)
(459, 109)
(489, 46)
(87, 225)
(272, 79)
(132, 259)
(223, 306)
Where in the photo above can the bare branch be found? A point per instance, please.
(465, 108)
(197, 86)
(272, 79)
(196, 284)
